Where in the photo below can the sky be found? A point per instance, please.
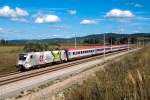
(44, 19)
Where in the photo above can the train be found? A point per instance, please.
(32, 60)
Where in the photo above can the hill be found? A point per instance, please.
(89, 39)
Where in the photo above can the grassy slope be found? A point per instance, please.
(128, 79)
(8, 57)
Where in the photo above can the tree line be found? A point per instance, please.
(111, 40)
(3, 42)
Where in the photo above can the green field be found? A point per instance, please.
(127, 79)
(8, 58)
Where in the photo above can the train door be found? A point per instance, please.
(32, 59)
(63, 55)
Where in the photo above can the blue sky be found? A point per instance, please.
(41, 19)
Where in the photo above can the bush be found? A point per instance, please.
(35, 47)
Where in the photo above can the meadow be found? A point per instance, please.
(127, 79)
(8, 58)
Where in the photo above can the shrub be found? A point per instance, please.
(35, 47)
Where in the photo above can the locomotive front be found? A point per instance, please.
(22, 62)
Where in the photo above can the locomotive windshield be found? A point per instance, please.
(22, 57)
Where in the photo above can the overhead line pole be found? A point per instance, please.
(128, 43)
(104, 46)
(75, 41)
(111, 43)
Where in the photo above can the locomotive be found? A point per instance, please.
(30, 60)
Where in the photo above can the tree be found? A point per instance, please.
(35, 47)
(133, 40)
(3, 42)
(113, 40)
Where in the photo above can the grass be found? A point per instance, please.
(128, 79)
(8, 58)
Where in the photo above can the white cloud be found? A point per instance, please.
(6, 11)
(143, 18)
(54, 35)
(1, 30)
(116, 13)
(138, 5)
(59, 27)
(47, 19)
(88, 22)
(72, 12)
(19, 19)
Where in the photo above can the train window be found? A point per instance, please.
(31, 56)
(22, 57)
(76, 53)
(73, 53)
(68, 53)
(107, 48)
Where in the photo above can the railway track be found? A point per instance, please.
(8, 73)
(10, 78)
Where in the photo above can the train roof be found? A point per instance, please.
(92, 47)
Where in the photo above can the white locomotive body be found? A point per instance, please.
(34, 59)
